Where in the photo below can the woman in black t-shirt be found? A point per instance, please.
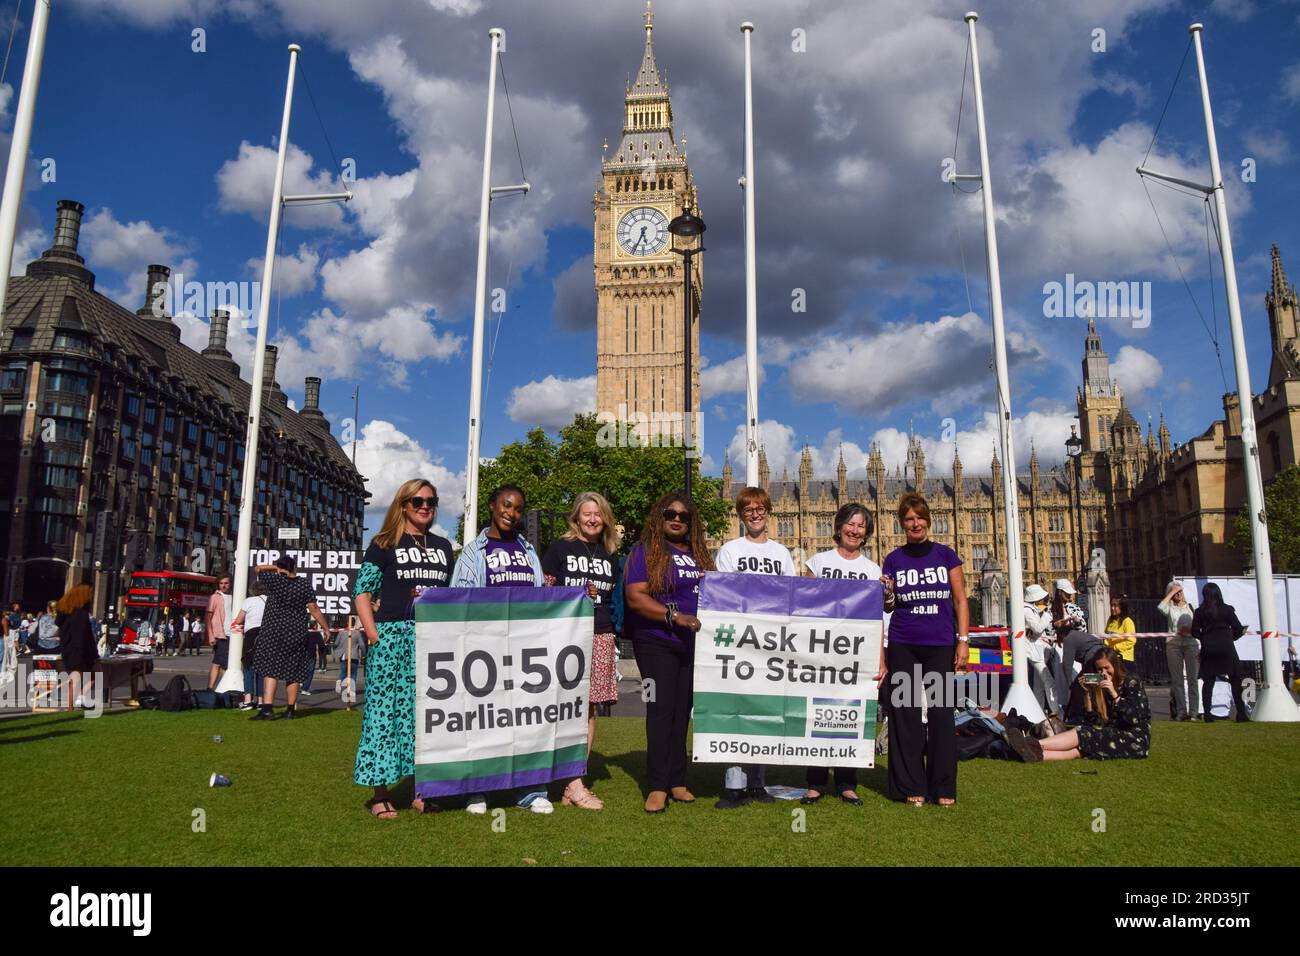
(585, 557)
(402, 560)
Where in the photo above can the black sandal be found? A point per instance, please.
(852, 799)
(806, 800)
(425, 806)
(382, 814)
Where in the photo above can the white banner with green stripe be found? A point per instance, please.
(501, 679)
(785, 670)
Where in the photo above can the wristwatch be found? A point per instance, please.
(964, 638)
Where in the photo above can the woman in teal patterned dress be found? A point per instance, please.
(402, 560)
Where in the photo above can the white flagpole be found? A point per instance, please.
(751, 278)
(1274, 702)
(233, 679)
(16, 172)
(480, 305)
(1020, 696)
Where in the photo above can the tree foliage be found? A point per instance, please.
(1282, 508)
(588, 457)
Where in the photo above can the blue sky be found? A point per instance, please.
(171, 151)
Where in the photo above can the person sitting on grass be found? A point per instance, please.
(1117, 715)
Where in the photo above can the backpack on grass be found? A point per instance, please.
(177, 695)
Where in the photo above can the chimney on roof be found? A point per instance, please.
(62, 258)
(273, 392)
(311, 404)
(156, 289)
(218, 324)
(67, 227)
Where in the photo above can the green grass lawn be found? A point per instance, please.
(123, 789)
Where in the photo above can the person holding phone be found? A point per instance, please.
(403, 559)
(1117, 718)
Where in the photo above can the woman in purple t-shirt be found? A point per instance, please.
(927, 636)
(661, 593)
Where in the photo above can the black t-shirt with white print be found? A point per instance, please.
(418, 561)
(574, 563)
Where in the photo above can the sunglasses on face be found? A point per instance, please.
(418, 502)
(671, 514)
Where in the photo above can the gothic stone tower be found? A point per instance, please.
(640, 362)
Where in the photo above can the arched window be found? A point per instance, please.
(1275, 451)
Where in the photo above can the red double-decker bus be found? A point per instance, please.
(154, 594)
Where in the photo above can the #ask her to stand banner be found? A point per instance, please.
(501, 678)
(785, 670)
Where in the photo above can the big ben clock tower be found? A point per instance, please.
(644, 183)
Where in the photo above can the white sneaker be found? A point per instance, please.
(304, 693)
(476, 803)
(541, 805)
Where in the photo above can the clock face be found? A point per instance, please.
(643, 231)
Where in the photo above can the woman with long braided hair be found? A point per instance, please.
(661, 585)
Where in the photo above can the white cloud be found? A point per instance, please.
(387, 456)
(726, 377)
(294, 273)
(1291, 82)
(1136, 371)
(1044, 430)
(1270, 145)
(553, 402)
(28, 245)
(335, 345)
(902, 362)
(244, 185)
(128, 247)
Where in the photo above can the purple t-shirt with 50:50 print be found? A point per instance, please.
(684, 594)
(923, 594)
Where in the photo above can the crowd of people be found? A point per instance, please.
(1096, 703)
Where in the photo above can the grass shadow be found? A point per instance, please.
(35, 737)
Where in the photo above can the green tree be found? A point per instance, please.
(589, 456)
(1282, 507)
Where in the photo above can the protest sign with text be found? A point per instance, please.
(330, 574)
(501, 680)
(785, 670)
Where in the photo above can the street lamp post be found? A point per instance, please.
(687, 227)
(1074, 451)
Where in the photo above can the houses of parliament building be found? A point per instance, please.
(1158, 509)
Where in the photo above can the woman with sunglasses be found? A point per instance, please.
(661, 592)
(403, 559)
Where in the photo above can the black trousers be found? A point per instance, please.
(922, 757)
(1212, 668)
(846, 778)
(667, 712)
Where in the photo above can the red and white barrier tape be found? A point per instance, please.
(1265, 634)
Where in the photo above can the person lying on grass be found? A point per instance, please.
(1117, 715)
